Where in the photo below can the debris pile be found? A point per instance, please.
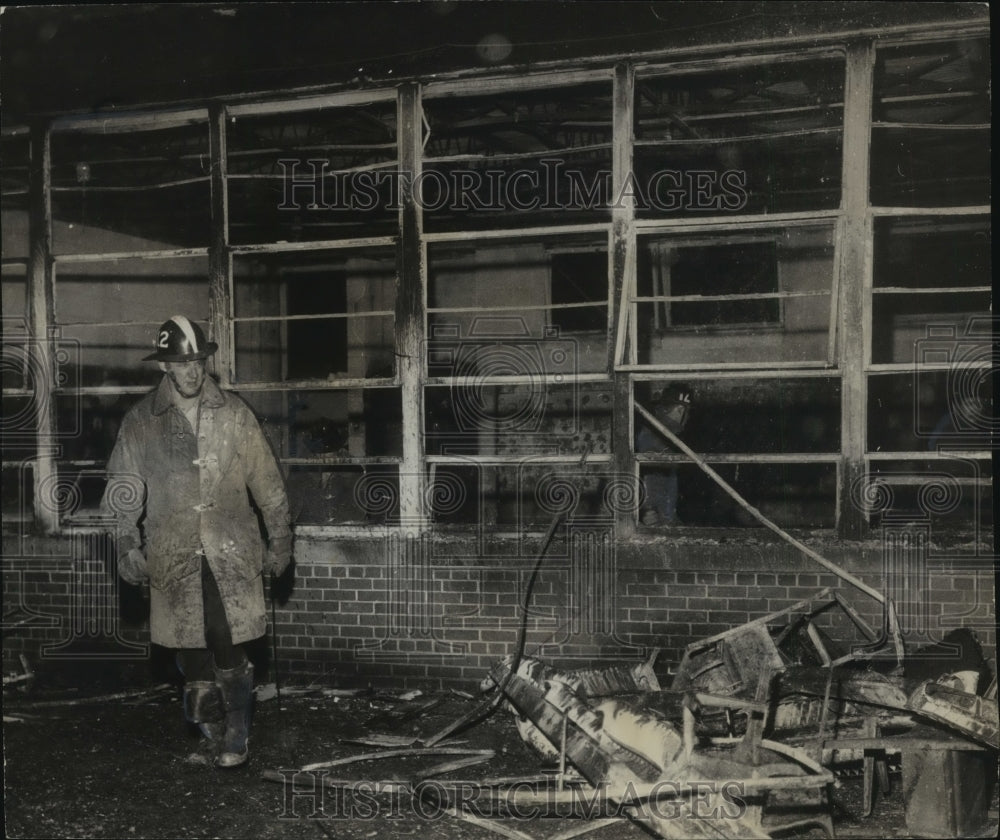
(755, 728)
(772, 709)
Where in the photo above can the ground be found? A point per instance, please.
(129, 767)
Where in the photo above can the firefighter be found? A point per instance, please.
(672, 409)
(190, 452)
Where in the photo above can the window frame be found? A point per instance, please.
(851, 290)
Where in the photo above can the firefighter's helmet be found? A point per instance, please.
(180, 340)
(674, 407)
(675, 394)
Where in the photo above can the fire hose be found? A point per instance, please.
(490, 705)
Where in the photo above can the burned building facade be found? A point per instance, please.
(447, 289)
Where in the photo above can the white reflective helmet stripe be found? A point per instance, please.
(188, 331)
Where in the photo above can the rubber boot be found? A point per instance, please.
(236, 686)
(203, 707)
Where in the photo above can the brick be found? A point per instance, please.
(732, 592)
(701, 631)
(632, 602)
(358, 584)
(498, 635)
(761, 592)
(954, 596)
(685, 615)
(969, 582)
(703, 604)
(490, 611)
(801, 593)
(687, 590)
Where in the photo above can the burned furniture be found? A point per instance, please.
(774, 705)
(866, 700)
(678, 784)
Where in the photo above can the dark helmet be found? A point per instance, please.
(674, 394)
(672, 397)
(181, 340)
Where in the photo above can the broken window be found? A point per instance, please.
(19, 374)
(793, 495)
(339, 448)
(930, 274)
(487, 444)
(306, 322)
(110, 310)
(493, 308)
(930, 434)
(953, 492)
(107, 312)
(22, 392)
(14, 297)
(751, 296)
(931, 418)
(521, 497)
(931, 125)
(933, 408)
(736, 167)
(580, 291)
(734, 270)
(782, 459)
(314, 315)
(130, 190)
(756, 138)
(15, 160)
(517, 158)
(320, 173)
(130, 228)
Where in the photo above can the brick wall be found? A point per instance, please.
(429, 613)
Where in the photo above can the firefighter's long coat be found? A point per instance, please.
(192, 487)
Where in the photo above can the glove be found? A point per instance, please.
(278, 556)
(132, 567)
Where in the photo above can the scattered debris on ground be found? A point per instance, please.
(787, 724)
